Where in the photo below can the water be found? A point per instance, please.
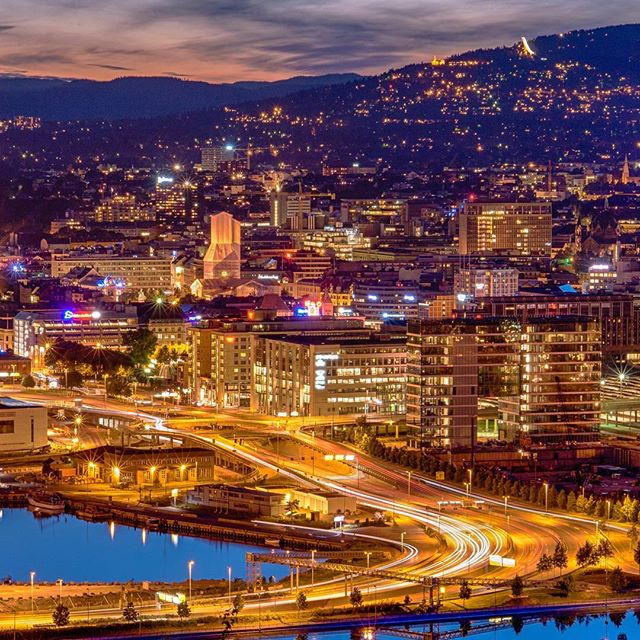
(78, 551)
(592, 628)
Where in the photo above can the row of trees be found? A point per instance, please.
(499, 484)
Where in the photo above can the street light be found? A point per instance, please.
(313, 566)
(409, 483)
(546, 496)
(59, 583)
(368, 554)
(608, 509)
(229, 576)
(470, 472)
(506, 500)
(467, 486)
(402, 535)
(32, 575)
(190, 565)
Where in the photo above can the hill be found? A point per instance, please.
(138, 97)
(576, 98)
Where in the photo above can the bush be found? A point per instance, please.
(60, 615)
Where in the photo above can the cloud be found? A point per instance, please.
(6, 27)
(111, 67)
(223, 40)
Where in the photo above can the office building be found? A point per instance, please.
(135, 273)
(222, 259)
(541, 377)
(213, 158)
(330, 375)
(222, 366)
(517, 228)
(289, 210)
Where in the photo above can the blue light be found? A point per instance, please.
(301, 311)
(68, 315)
(229, 147)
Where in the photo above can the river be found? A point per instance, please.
(562, 628)
(78, 551)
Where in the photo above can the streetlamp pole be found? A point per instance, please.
(59, 581)
(402, 535)
(546, 496)
(409, 483)
(190, 566)
(506, 500)
(32, 575)
(313, 565)
(368, 554)
(229, 580)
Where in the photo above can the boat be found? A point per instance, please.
(49, 503)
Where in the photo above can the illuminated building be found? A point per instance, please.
(339, 242)
(35, 331)
(485, 283)
(373, 210)
(542, 376)
(330, 375)
(222, 259)
(214, 157)
(222, 354)
(385, 301)
(123, 208)
(289, 210)
(138, 273)
(617, 315)
(518, 228)
(174, 200)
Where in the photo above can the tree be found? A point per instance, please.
(586, 555)
(617, 580)
(237, 604)
(560, 556)
(183, 610)
(545, 563)
(141, 345)
(566, 585)
(355, 597)
(302, 604)
(517, 587)
(604, 549)
(129, 612)
(518, 624)
(73, 378)
(118, 385)
(28, 382)
(61, 615)
(465, 592)
(636, 555)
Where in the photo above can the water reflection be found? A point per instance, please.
(79, 551)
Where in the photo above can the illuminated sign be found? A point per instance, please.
(164, 180)
(321, 375)
(72, 316)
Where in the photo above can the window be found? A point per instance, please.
(7, 426)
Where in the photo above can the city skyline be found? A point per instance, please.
(247, 40)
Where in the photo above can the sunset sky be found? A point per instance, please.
(228, 40)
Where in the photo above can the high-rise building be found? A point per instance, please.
(213, 157)
(289, 210)
(222, 259)
(518, 228)
(541, 377)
